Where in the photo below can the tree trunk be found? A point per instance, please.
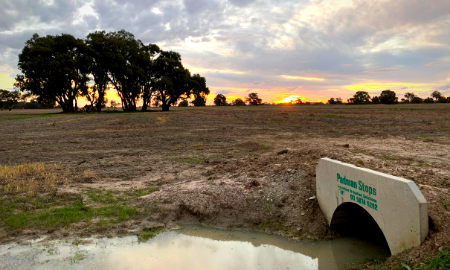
(165, 107)
(101, 97)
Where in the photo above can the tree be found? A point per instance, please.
(54, 67)
(428, 100)
(436, 95)
(183, 103)
(297, 101)
(126, 64)
(238, 102)
(376, 100)
(9, 98)
(442, 99)
(220, 100)
(338, 100)
(172, 80)
(388, 97)
(98, 52)
(360, 97)
(151, 53)
(409, 96)
(416, 100)
(253, 99)
(199, 90)
(331, 101)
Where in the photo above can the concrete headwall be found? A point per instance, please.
(396, 204)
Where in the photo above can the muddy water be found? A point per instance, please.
(191, 248)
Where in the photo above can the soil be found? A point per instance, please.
(249, 167)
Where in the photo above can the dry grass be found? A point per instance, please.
(30, 178)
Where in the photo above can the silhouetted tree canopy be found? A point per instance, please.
(238, 102)
(60, 68)
(360, 97)
(54, 67)
(428, 100)
(409, 96)
(183, 103)
(220, 100)
(253, 99)
(436, 95)
(388, 97)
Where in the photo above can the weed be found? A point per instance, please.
(444, 204)
(77, 257)
(423, 136)
(423, 164)
(441, 261)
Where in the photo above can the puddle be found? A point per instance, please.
(191, 248)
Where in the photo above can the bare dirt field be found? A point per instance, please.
(252, 167)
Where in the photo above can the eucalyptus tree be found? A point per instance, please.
(125, 66)
(199, 90)
(220, 100)
(172, 80)
(151, 52)
(99, 57)
(55, 68)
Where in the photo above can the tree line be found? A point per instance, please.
(251, 99)
(62, 68)
(389, 97)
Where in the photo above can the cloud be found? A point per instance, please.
(383, 70)
(302, 78)
(433, 64)
(269, 46)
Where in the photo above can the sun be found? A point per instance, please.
(290, 99)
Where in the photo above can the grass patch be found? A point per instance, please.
(51, 217)
(441, 261)
(423, 136)
(147, 234)
(332, 115)
(28, 117)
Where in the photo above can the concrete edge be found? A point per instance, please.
(369, 170)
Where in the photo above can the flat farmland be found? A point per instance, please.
(251, 167)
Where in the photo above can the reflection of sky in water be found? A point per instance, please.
(171, 250)
(190, 252)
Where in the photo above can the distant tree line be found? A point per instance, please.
(63, 68)
(251, 99)
(389, 97)
(14, 99)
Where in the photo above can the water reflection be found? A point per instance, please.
(192, 248)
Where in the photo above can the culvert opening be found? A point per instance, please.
(352, 220)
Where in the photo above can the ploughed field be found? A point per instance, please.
(253, 167)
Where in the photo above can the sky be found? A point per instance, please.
(310, 49)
